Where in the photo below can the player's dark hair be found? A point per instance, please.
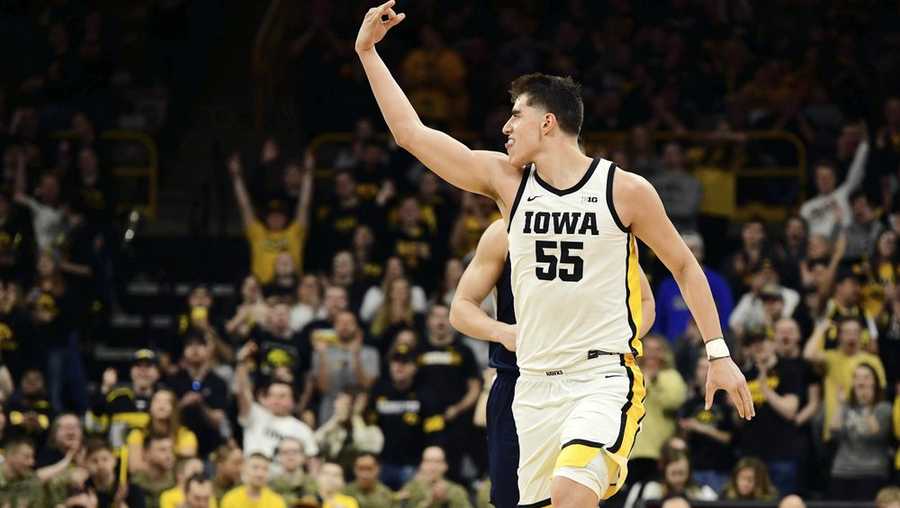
(558, 95)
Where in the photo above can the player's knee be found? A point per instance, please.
(592, 480)
(568, 492)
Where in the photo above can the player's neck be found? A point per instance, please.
(562, 165)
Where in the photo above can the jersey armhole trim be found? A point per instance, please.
(609, 199)
(512, 211)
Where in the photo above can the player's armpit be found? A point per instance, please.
(479, 171)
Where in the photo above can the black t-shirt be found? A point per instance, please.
(52, 317)
(281, 288)
(16, 352)
(135, 498)
(122, 405)
(417, 247)
(215, 396)
(706, 452)
(407, 418)
(768, 435)
(447, 370)
(275, 352)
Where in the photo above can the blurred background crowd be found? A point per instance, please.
(222, 283)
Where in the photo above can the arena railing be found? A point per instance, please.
(134, 166)
(745, 178)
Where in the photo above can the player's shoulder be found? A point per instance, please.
(493, 242)
(498, 163)
(627, 182)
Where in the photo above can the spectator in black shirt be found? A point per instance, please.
(200, 317)
(343, 274)
(407, 413)
(776, 387)
(283, 286)
(338, 219)
(101, 464)
(787, 346)
(415, 242)
(449, 367)
(29, 411)
(708, 432)
(89, 187)
(322, 330)
(119, 407)
(279, 346)
(203, 396)
(54, 316)
(66, 438)
(16, 240)
(16, 352)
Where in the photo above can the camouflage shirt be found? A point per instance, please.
(379, 497)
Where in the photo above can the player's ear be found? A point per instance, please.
(548, 123)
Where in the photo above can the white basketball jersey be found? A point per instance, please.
(575, 273)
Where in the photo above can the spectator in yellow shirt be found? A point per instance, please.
(254, 493)
(331, 481)
(838, 364)
(198, 493)
(278, 234)
(184, 470)
(164, 420)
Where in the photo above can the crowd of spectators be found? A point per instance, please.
(336, 378)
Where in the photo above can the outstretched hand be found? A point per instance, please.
(723, 374)
(376, 24)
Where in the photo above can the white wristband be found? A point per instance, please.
(717, 348)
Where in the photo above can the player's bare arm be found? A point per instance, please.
(648, 305)
(483, 172)
(641, 210)
(479, 278)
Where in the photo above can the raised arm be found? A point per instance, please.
(641, 212)
(474, 171)
(648, 306)
(480, 277)
(814, 350)
(306, 191)
(857, 170)
(243, 385)
(240, 190)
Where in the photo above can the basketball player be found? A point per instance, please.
(489, 270)
(572, 224)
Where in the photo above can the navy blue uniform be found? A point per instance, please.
(503, 443)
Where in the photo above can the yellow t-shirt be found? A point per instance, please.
(238, 498)
(839, 377)
(341, 501)
(185, 441)
(266, 245)
(173, 498)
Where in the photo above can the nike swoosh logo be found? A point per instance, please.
(532, 198)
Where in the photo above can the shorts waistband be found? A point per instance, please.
(593, 360)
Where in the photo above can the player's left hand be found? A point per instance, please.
(723, 374)
(374, 27)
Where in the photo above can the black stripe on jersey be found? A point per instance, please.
(618, 444)
(631, 323)
(584, 442)
(539, 504)
(609, 199)
(512, 211)
(574, 188)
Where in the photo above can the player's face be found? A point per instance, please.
(523, 131)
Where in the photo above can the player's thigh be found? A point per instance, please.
(538, 408)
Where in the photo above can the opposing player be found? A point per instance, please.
(572, 223)
(489, 271)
